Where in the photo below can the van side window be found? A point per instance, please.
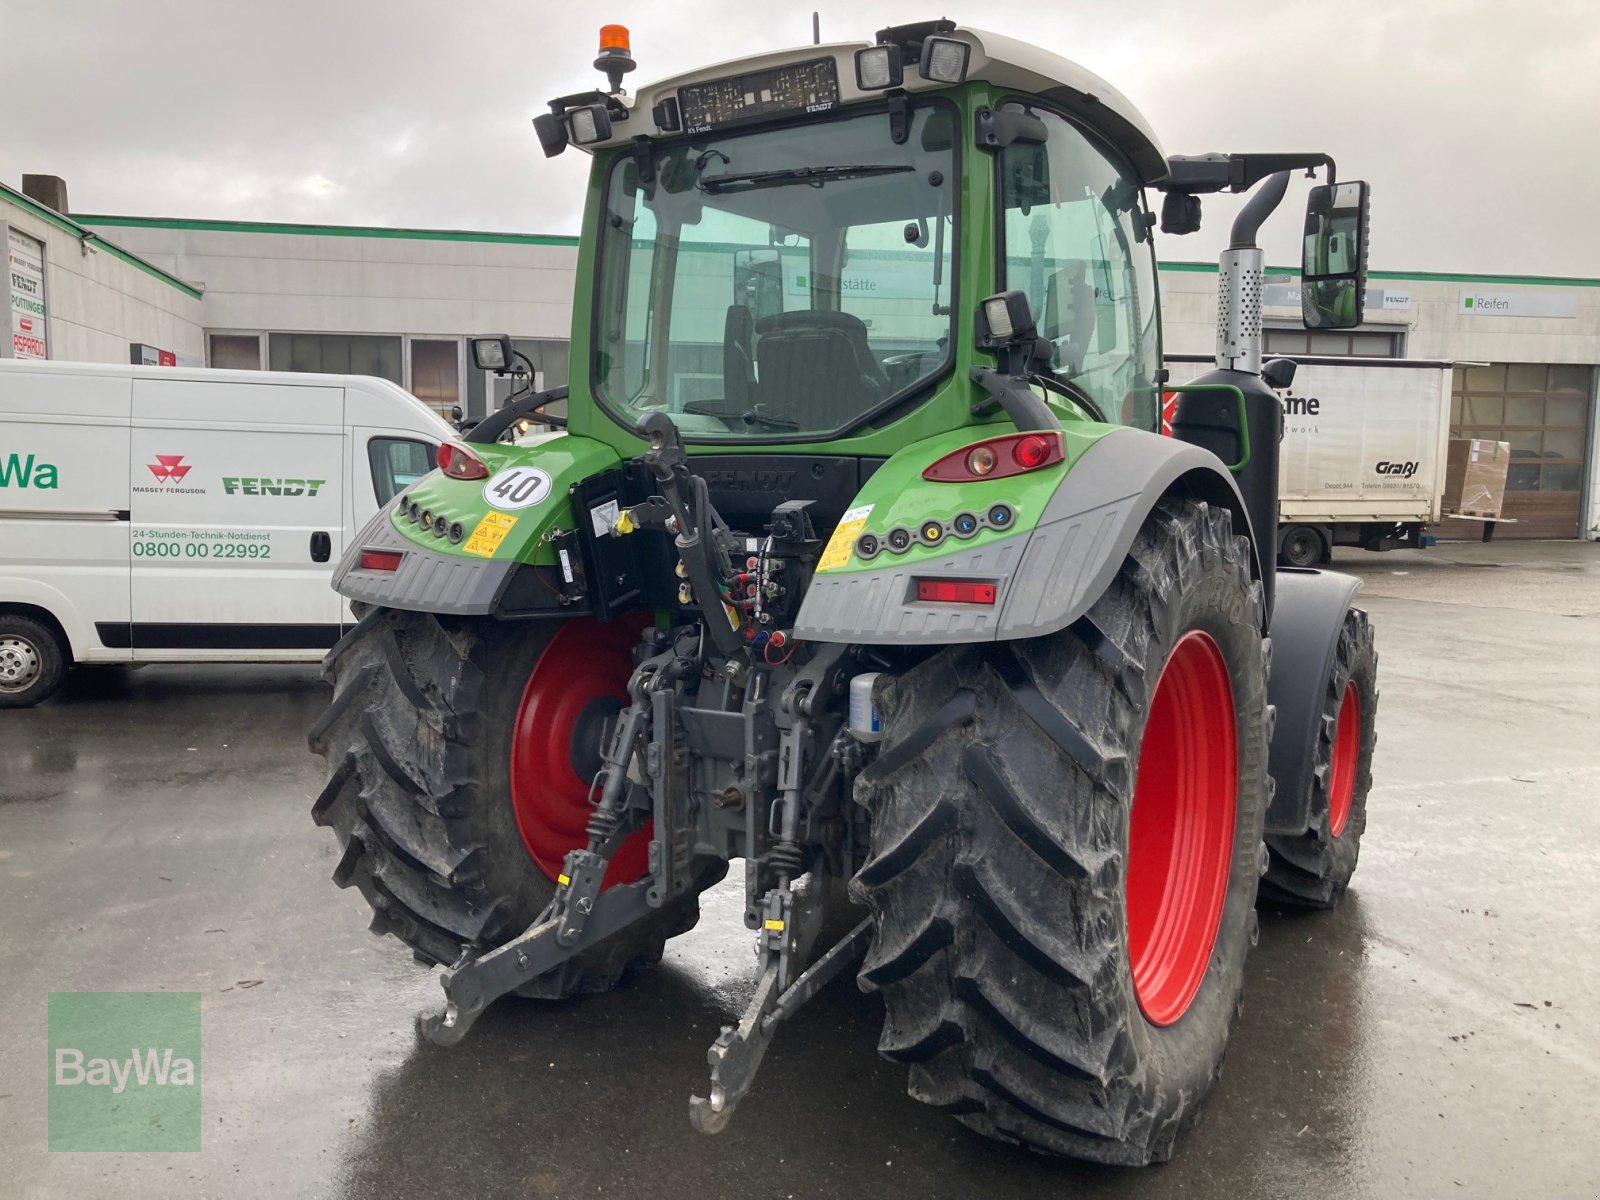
(396, 463)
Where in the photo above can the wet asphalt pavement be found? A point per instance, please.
(1434, 1037)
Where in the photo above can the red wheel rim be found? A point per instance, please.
(1180, 835)
(579, 681)
(1346, 749)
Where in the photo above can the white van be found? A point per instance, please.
(153, 514)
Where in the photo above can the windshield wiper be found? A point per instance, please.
(814, 176)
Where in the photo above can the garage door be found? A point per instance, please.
(1543, 412)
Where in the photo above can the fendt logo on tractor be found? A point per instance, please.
(1041, 779)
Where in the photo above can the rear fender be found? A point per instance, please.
(1305, 634)
(1046, 576)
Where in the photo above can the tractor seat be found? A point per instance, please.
(816, 368)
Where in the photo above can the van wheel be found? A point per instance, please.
(33, 661)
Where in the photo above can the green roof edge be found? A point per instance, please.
(51, 217)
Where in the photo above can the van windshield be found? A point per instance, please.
(779, 284)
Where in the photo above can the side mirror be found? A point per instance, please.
(758, 281)
(1333, 264)
(492, 353)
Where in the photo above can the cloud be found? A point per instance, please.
(1473, 119)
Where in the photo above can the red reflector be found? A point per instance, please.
(460, 463)
(381, 560)
(955, 591)
(998, 457)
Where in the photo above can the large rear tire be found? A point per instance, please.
(1312, 869)
(419, 740)
(1066, 848)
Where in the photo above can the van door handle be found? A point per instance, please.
(321, 547)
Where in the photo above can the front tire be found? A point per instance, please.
(1053, 972)
(1312, 869)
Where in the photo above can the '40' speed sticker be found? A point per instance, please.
(516, 487)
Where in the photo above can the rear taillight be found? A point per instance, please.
(956, 591)
(996, 458)
(381, 560)
(460, 463)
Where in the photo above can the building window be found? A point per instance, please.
(1354, 343)
(436, 373)
(235, 351)
(336, 354)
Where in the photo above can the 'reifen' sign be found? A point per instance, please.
(29, 316)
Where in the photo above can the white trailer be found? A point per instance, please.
(155, 514)
(1363, 456)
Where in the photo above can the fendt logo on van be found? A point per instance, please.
(1405, 470)
(259, 485)
(29, 472)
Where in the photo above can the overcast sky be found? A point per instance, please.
(1476, 121)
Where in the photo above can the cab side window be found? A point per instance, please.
(1076, 242)
(397, 463)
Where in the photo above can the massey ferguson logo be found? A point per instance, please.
(169, 468)
(1405, 470)
(170, 471)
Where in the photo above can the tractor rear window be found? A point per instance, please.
(781, 284)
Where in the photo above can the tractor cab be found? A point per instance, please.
(791, 249)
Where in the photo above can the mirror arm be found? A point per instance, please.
(491, 427)
(1016, 397)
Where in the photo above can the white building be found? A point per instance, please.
(400, 303)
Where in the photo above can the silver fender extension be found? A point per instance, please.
(1305, 633)
(1047, 577)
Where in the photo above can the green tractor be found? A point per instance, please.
(868, 545)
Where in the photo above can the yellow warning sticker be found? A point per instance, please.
(850, 527)
(775, 926)
(563, 880)
(489, 533)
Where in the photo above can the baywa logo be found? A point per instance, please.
(170, 471)
(17, 471)
(124, 1071)
(260, 485)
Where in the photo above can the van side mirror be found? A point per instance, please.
(1333, 263)
(492, 353)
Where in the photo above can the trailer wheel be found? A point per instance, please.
(1302, 546)
(33, 661)
(1065, 851)
(1312, 869)
(454, 748)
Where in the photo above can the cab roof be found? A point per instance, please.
(1002, 61)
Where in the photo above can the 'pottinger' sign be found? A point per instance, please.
(25, 266)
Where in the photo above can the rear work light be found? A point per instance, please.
(956, 591)
(460, 463)
(996, 458)
(381, 560)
